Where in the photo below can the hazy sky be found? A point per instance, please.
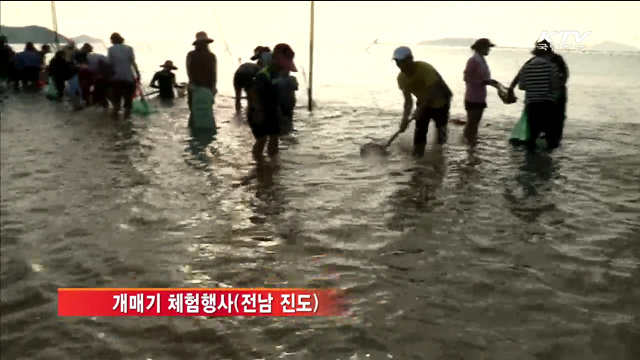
(506, 23)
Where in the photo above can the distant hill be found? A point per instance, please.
(86, 39)
(612, 46)
(35, 34)
(449, 42)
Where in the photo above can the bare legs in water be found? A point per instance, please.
(473, 122)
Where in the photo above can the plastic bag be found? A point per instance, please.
(140, 105)
(202, 101)
(520, 133)
(50, 91)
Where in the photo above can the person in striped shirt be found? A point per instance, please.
(541, 80)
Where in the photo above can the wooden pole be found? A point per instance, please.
(56, 41)
(309, 90)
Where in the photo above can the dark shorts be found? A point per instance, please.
(100, 90)
(123, 90)
(545, 117)
(30, 74)
(269, 127)
(474, 105)
(441, 118)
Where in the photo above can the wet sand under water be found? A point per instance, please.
(489, 254)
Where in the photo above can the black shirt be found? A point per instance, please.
(243, 78)
(268, 93)
(165, 80)
(202, 68)
(562, 67)
(5, 55)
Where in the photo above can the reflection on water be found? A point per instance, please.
(199, 145)
(535, 178)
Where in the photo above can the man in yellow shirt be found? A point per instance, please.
(433, 98)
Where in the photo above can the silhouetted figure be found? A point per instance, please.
(102, 71)
(6, 53)
(165, 81)
(265, 118)
(60, 70)
(123, 81)
(202, 70)
(28, 64)
(244, 76)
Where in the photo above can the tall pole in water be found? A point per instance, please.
(310, 94)
(56, 41)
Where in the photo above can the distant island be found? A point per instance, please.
(35, 34)
(449, 42)
(612, 47)
(608, 46)
(86, 39)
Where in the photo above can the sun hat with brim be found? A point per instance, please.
(482, 44)
(202, 37)
(168, 65)
(258, 51)
(288, 53)
(401, 53)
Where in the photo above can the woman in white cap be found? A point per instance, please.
(420, 79)
(476, 77)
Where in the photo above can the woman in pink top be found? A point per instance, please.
(476, 77)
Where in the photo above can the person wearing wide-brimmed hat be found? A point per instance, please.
(202, 68)
(165, 80)
(476, 77)
(123, 82)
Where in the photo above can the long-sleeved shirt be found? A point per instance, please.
(202, 68)
(243, 77)
(540, 78)
(476, 74)
(60, 69)
(122, 58)
(27, 59)
(562, 67)
(287, 85)
(93, 60)
(268, 94)
(6, 53)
